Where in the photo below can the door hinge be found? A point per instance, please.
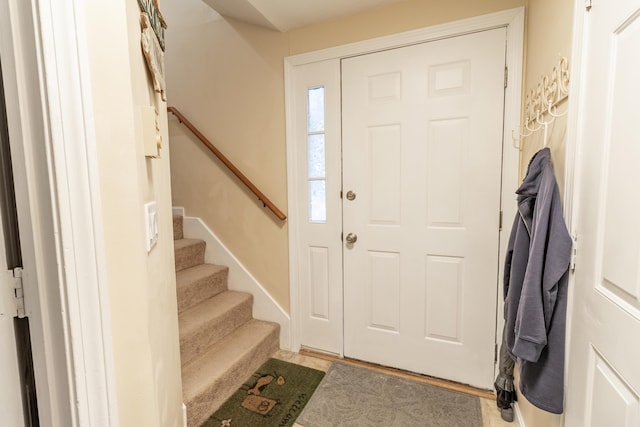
(574, 253)
(13, 291)
(495, 353)
(500, 221)
(506, 77)
(587, 5)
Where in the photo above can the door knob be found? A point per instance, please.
(351, 238)
(351, 195)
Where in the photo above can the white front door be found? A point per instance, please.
(604, 358)
(422, 158)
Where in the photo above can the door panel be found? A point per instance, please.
(612, 401)
(422, 149)
(606, 315)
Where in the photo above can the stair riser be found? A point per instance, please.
(193, 345)
(177, 228)
(200, 407)
(190, 256)
(202, 289)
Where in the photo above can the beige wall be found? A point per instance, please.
(548, 38)
(227, 78)
(142, 292)
(398, 17)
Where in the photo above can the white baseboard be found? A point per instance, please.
(240, 279)
(178, 210)
(184, 415)
(519, 421)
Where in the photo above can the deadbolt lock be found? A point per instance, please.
(351, 195)
(351, 238)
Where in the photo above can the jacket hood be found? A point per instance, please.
(531, 182)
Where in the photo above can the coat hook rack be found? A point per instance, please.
(541, 103)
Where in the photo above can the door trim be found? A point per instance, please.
(76, 195)
(57, 196)
(571, 202)
(513, 19)
(571, 185)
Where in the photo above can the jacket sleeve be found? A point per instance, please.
(549, 255)
(506, 280)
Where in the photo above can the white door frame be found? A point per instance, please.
(49, 113)
(513, 19)
(571, 187)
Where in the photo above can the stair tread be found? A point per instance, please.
(192, 274)
(213, 308)
(183, 243)
(221, 357)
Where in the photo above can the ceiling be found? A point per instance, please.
(285, 15)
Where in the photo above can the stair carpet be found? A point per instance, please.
(221, 345)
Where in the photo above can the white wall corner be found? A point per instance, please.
(240, 279)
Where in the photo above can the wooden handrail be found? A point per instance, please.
(264, 199)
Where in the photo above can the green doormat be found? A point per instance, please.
(273, 397)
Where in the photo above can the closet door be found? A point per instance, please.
(604, 368)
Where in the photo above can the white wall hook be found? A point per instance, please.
(543, 101)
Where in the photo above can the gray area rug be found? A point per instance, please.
(359, 397)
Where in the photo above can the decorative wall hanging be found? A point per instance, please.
(542, 102)
(154, 55)
(150, 7)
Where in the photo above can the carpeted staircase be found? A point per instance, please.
(221, 345)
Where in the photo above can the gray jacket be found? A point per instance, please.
(535, 286)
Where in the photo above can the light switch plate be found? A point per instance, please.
(151, 221)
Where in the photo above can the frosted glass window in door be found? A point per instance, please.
(316, 156)
(315, 104)
(317, 201)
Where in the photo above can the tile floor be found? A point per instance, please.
(490, 414)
